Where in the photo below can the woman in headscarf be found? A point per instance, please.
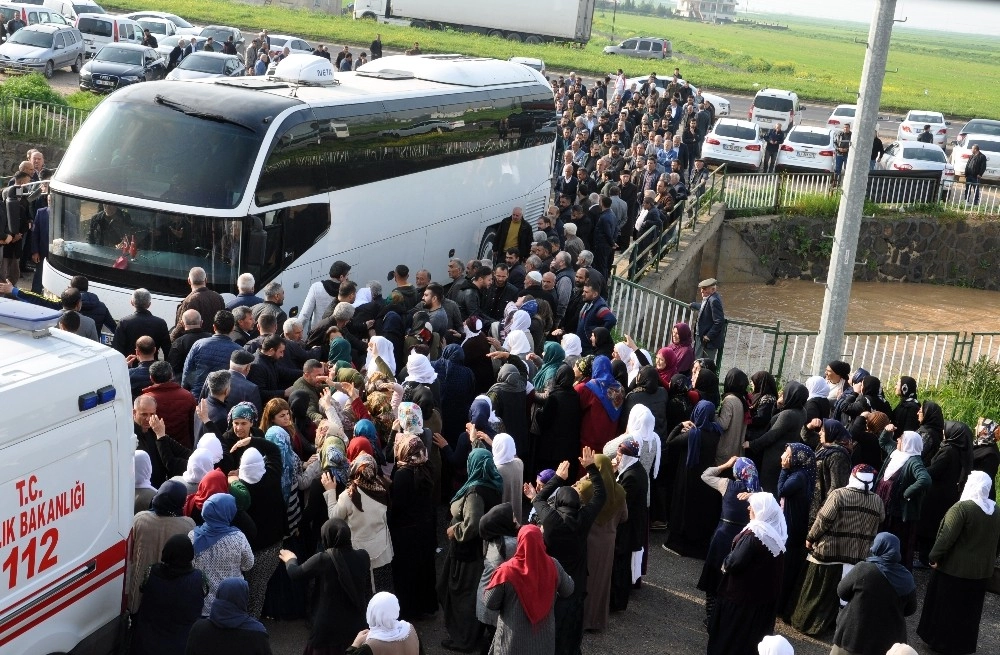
(479, 432)
(763, 403)
(394, 329)
(379, 390)
(242, 420)
(734, 415)
(694, 508)
(511, 469)
(601, 342)
(214, 482)
(509, 399)
(601, 543)
(839, 538)
(220, 550)
(682, 347)
(360, 445)
(476, 347)
(985, 455)
(291, 474)
(647, 391)
(666, 366)
(463, 565)
(381, 357)
(902, 484)
(904, 416)
(364, 506)
(151, 530)
(523, 590)
(633, 533)
(947, 469)
(144, 489)
(555, 426)
(553, 357)
(865, 431)
(498, 530)
(340, 348)
(747, 601)
(342, 590)
(229, 629)
(601, 402)
(419, 372)
(386, 633)
(736, 479)
(786, 426)
(870, 397)
(199, 463)
(458, 388)
(962, 561)
(817, 408)
(796, 485)
(520, 324)
(880, 594)
(572, 346)
(172, 594)
(833, 462)
(931, 429)
(706, 383)
(412, 526)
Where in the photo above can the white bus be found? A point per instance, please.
(403, 162)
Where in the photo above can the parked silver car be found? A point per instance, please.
(643, 47)
(42, 48)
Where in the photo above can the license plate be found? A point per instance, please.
(103, 83)
(761, 119)
(729, 146)
(806, 155)
(992, 172)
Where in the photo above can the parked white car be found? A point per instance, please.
(198, 65)
(296, 45)
(913, 124)
(721, 104)
(918, 156)
(808, 148)
(734, 142)
(988, 144)
(181, 26)
(160, 28)
(842, 115)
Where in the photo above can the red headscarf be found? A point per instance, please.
(670, 368)
(359, 445)
(532, 574)
(214, 482)
(683, 350)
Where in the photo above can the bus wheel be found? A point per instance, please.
(486, 245)
(514, 36)
(533, 39)
(496, 33)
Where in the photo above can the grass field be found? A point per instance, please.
(952, 73)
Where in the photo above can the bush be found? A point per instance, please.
(32, 87)
(84, 100)
(969, 392)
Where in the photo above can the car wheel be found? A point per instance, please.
(79, 64)
(486, 245)
(368, 16)
(49, 70)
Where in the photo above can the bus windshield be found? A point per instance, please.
(188, 159)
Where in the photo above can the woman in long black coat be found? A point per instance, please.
(173, 593)
(945, 470)
(412, 526)
(555, 427)
(341, 597)
(631, 536)
(786, 427)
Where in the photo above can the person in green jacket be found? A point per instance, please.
(902, 484)
(962, 562)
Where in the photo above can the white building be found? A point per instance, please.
(707, 10)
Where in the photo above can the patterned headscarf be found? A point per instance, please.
(364, 475)
(804, 459)
(244, 410)
(628, 452)
(875, 422)
(744, 469)
(291, 466)
(411, 418)
(862, 477)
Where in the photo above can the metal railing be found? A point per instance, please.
(648, 316)
(42, 120)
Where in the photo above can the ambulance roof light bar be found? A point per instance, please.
(24, 316)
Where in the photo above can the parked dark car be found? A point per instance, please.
(120, 64)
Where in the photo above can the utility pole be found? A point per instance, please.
(830, 342)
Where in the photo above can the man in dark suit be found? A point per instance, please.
(240, 388)
(711, 327)
(141, 322)
(514, 232)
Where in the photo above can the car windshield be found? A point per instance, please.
(991, 146)
(177, 20)
(217, 33)
(809, 138)
(982, 127)
(845, 111)
(32, 38)
(734, 131)
(154, 26)
(88, 9)
(924, 118)
(770, 103)
(170, 41)
(203, 63)
(120, 56)
(924, 154)
(277, 42)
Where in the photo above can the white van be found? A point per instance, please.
(72, 9)
(66, 483)
(773, 106)
(98, 29)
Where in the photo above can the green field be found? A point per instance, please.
(952, 73)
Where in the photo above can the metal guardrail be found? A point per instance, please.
(43, 120)
(648, 316)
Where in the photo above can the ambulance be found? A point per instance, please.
(66, 487)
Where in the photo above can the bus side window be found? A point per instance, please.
(282, 236)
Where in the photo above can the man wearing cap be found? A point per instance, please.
(322, 294)
(711, 326)
(514, 232)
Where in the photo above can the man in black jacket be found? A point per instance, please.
(141, 322)
(168, 457)
(514, 232)
(265, 373)
(974, 170)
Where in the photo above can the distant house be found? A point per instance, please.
(711, 11)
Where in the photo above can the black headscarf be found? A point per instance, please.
(335, 536)
(603, 343)
(169, 500)
(566, 503)
(298, 404)
(736, 384)
(908, 388)
(763, 385)
(564, 378)
(705, 362)
(647, 380)
(679, 386)
(794, 395)
(497, 524)
(886, 556)
(176, 558)
(707, 385)
(620, 372)
(871, 389)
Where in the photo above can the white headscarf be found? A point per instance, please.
(494, 419)
(901, 649)
(572, 345)
(521, 320)
(775, 645)
(627, 355)
(383, 348)
(199, 463)
(818, 387)
(342, 399)
(504, 449)
(977, 489)
(640, 427)
(768, 523)
(517, 343)
(469, 333)
(252, 467)
(419, 369)
(211, 443)
(143, 470)
(383, 619)
(363, 296)
(912, 445)
(861, 481)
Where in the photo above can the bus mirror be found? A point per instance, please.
(293, 312)
(451, 253)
